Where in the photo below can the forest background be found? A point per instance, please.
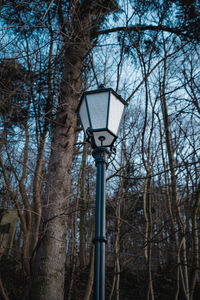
(147, 51)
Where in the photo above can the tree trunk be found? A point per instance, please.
(183, 271)
(3, 292)
(49, 267)
(91, 275)
(74, 218)
(82, 206)
(195, 237)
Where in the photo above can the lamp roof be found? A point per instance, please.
(101, 89)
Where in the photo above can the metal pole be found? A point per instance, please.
(100, 155)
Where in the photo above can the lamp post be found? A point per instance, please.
(100, 112)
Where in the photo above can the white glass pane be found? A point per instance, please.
(84, 116)
(108, 138)
(115, 114)
(98, 107)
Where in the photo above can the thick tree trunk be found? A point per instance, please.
(49, 266)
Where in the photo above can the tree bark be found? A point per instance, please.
(91, 275)
(74, 218)
(48, 282)
(82, 206)
(195, 237)
(3, 292)
(49, 266)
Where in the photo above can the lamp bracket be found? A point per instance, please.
(90, 137)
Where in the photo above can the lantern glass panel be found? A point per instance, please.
(115, 114)
(108, 138)
(84, 116)
(98, 107)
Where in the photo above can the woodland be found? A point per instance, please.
(51, 51)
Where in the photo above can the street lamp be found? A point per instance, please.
(100, 112)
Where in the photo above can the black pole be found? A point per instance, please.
(100, 155)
